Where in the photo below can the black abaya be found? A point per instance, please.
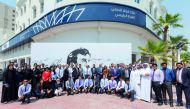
(9, 93)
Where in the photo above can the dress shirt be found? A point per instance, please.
(104, 83)
(121, 85)
(128, 88)
(59, 72)
(112, 84)
(24, 90)
(79, 83)
(69, 84)
(70, 71)
(88, 83)
(53, 76)
(126, 71)
(168, 75)
(157, 75)
(87, 71)
(179, 74)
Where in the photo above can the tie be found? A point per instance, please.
(114, 72)
(104, 82)
(79, 82)
(164, 75)
(59, 73)
(127, 86)
(153, 75)
(88, 83)
(25, 89)
(87, 71)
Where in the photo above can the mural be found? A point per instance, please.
(81, 53)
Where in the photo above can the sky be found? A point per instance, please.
(172, 6)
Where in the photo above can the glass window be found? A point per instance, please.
(155, 13)
(58, 1)
(138, 1)
(23, 26)
(21, 12)
(24, 8)
(34, 12)
(41, 6)
(20, 28)
(150, 6)
(29, 2)
(28, 21)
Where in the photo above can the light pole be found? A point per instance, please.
(179, 49)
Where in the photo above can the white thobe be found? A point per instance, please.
(145, 85)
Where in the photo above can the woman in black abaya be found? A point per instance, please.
(9, 90)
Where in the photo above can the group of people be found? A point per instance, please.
(131, 81)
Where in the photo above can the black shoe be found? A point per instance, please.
(179, 104)
(165, 103)
(159, 104)
(28, 102)
(155, 102)
(171, 105)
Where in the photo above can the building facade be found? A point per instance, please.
(7, 24)
(81, 21)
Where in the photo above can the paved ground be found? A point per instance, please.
(84, 101)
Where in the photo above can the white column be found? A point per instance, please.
(18, 62)
(7, 63)
(27, 60)
(4, 64)
(138, 56)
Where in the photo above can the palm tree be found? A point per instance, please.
(185, 57)
(156, 51)
(174, 40)
(164, 24)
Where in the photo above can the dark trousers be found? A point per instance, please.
(95, 89)
(179, 89)
(131, 94)
(110, 91)
(158, 92)
(121, 92)
(86, 76)
(49, 95)
(167, 86)
(70, 91)
(79, 90)
(27, 97)
(88, 89)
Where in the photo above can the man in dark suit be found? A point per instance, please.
(182, 81)
(75, 73)
(93, 70)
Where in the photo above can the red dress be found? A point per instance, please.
(46, 75)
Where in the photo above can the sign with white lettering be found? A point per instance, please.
(81, 13)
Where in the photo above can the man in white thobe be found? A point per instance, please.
(145, 83)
